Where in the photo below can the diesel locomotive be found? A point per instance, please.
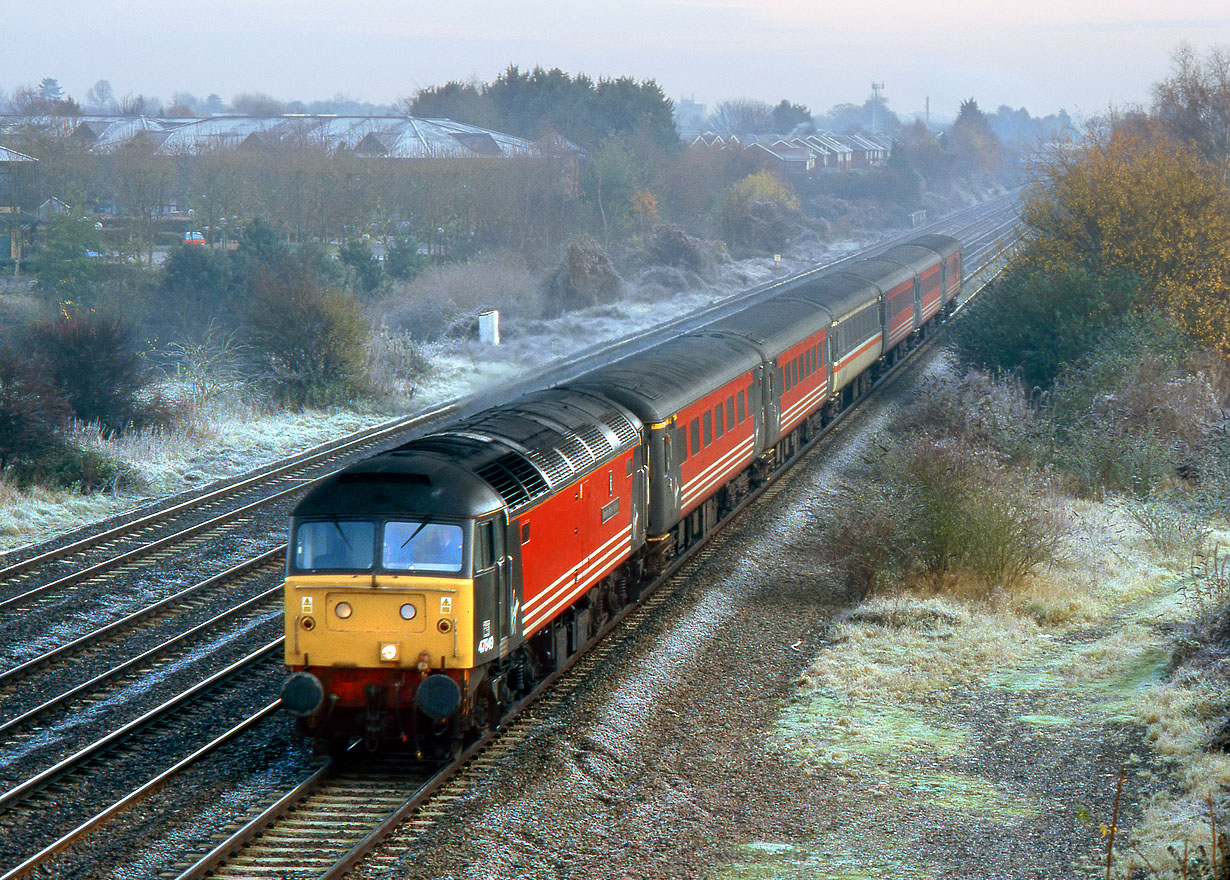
(431, 586)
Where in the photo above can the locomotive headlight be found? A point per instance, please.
(408, 611)
(343, 610)
(388, 652)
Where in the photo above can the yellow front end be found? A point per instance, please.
(353, 621)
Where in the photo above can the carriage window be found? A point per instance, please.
(483, 546)
(730, 411)
(786, 378)
(742, 405)
(719, 424)
(422, 546)
(796, 370)
(335, 545)
(681, 442)
(695, 436)
(708, 423)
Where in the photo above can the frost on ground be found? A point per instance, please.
(230, 436)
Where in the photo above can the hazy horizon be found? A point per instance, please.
(1041, 56)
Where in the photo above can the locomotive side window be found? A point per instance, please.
(695, 436)
(719, 423)
(483, 544)
(422, 546)
(525, 533)
(742, 405)
(335, 545)
(708, 424)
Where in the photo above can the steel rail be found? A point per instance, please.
(132, 662)
(106, 565)
(128, 620)
(21, 790)
(137, 794)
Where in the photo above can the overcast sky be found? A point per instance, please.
(1082, 55)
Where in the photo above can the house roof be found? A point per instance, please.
(7, 155)
(400, 137)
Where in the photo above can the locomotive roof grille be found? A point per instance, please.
(578, 453)
(554, 464)
(514, 478)
(598, 441)
(622, 426)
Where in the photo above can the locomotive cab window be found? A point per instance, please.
(335, 545)
(423, 546)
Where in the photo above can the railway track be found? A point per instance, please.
(39, 811)
(94, 564)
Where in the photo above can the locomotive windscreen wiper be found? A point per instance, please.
(422, 526)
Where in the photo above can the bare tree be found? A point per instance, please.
(1194, 102)
(101, 97)
(742, 116)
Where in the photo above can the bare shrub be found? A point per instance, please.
(1173, 526)
(981, 409)
(306, 339)
(395, 363)
(946, 509)
(863, 537)
(670, 246)
(1012, 530)
(585, 277)
(1131, 421)
(210, 365)
(95, 362)
(428, 306)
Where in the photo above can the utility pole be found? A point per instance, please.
(876, 88)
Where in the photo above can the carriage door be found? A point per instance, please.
(505, 609)
(492, 601)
